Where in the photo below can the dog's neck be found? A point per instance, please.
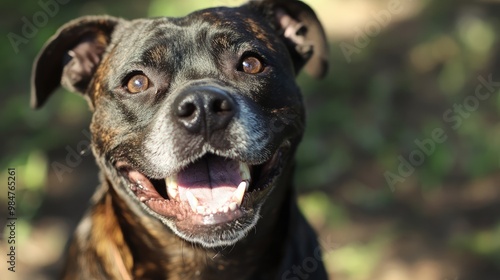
(156, 251)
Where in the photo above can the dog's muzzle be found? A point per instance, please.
(213, 191)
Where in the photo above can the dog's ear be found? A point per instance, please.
(301, 31)
(71, 56)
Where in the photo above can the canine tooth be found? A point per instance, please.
(233, 206)
(193, 202)
(172, 193)
(244, 171)
(171, 183)
(240, 192)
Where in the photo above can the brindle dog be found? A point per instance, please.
(195, 124)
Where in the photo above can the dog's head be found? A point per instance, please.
(198, 117)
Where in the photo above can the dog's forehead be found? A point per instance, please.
(218, 28)
(243, 19)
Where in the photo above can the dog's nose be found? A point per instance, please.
(204, 109)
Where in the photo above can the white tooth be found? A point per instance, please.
(244, 171)
(139, 184)
(233, 206)
(172, 193)
(171, 183)
(142, 198)
(240, 192)
(200, 209)
(225, 209)
(193, 202)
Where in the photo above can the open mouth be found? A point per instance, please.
(209, 191)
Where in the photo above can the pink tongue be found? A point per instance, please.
(212, 180)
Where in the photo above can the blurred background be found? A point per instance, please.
(399, 169)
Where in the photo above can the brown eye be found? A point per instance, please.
(138, 83)
(252, 65)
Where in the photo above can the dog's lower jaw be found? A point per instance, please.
(127, 246)
(210, 230)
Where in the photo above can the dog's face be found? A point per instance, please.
(195, 119)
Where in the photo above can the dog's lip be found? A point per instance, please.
(146, 190)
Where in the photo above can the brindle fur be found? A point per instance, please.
(117, 239)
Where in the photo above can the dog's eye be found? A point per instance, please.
(251, 65)
(138, 83)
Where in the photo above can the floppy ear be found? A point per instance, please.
(301, 31)
(71, 56)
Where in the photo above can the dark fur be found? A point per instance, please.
(120, 237)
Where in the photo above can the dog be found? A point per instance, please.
(195, 122)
